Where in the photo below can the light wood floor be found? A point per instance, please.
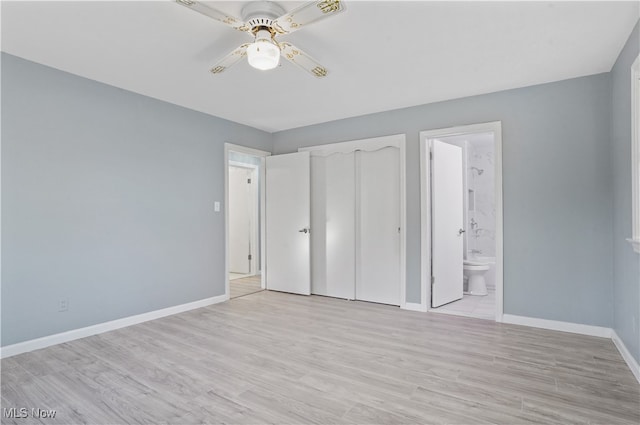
(244, 286)
(280, 358)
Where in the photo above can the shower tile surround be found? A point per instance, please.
(481, 179)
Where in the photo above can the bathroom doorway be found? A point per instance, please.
(462, 221)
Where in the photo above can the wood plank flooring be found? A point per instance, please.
(278, 358)
(244, 286)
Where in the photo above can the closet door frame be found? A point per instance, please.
(370, 145)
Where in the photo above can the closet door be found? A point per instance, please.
(333, 224)
(378, 228)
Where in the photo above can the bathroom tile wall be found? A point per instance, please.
(483, 237)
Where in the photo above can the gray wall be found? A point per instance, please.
(626, 263)
(107, 200)
(557, 197)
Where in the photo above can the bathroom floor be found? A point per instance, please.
(472, 306)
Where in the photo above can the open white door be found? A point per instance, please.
(378, 233)
(239, 219)
(287, 223)
(447, 223)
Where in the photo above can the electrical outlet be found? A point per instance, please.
(63, 304)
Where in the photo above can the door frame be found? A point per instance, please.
(425, 207)
(373, 144)
(254, 214)
(229, 147)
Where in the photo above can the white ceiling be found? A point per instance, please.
(380, 55)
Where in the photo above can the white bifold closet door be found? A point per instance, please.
(333, 225)
(355, 220)
(378, 228)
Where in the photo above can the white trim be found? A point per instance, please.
(626, 355)
(554, 325)
(425, 227)
(635, 155)
(47, 341)
(263, 223)
(373, 144)
(228, 147)
(413, 307)
(425, 193)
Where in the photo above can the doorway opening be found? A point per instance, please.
(462, 221)
(244, 197)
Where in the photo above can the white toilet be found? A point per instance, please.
(475, 270)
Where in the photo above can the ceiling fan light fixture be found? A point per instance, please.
(263, 53)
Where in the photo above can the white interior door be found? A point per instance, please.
(240, 204)
(447, 223)
(378, 228)
(333, 224)
(287, 223)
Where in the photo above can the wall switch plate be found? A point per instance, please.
(216, 206)
(63, 304)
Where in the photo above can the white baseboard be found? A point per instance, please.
(413, 307)
(555, 325)
(626, 355)
(47, 341)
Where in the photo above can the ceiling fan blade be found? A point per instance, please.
(304, 61)
(214, 13)
(306, 14)
(231, 59)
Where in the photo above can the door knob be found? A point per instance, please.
(460, 231)
(305, 230)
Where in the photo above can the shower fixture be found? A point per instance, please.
(478, 170)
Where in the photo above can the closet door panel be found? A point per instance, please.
(318, 226)
(378, 236)
(333, 225)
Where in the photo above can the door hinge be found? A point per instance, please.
(248, 181)
(249, 256)
(430, 155)
(433, 280)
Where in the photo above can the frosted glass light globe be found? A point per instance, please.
(263, 53)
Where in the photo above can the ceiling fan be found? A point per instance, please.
(265, 20)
